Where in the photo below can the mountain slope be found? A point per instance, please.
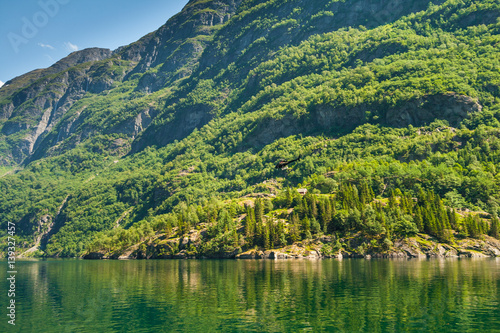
(179, 127)
(39, 111)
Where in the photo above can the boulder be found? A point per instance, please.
(94, 255)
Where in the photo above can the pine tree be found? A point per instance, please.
(315, 226)
(259, 210)
(250, 226)
(494, 228)
(328, 217)
(314, 207)
(333, 205)
(366, 194)
(280, 231)
(407, 204)
(267, 242)
(452, 217)
(259, 233)
(306, 228)
(392, 200)
(325, 215)
(421, 197)
(430, 226)
(289, 198)
(235, 238)
(273, 235)
(233, 209)
(472, 224)
(304, 208)
(294, 228)
(419, 219)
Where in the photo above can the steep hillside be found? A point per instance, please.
(181, 130)
(39, 110)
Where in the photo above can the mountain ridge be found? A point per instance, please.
(182, 125)
(140, 55)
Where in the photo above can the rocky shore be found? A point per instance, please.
(420, 246)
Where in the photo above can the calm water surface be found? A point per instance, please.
(255, 296)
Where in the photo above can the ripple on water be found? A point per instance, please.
(257, 296)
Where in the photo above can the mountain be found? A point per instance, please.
(394, 109)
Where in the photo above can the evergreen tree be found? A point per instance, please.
(273, 235)
(327, 218)
(494, 227)
(366, 193)
(267, 241)
(294, 231)
(289, 197)
(268, 206)
(250, 226)
(259, 210)
(472, 224)
(306, 228)
(280, 231)
(393, 202)
(314, 207)
(418, 219)
(259, 233)
(315, 226)
(452, 217)
(235, 239)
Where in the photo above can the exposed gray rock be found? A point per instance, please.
(451, 107)
(324, 117)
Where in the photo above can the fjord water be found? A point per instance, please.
(258, 296)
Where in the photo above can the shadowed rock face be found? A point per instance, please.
(451, 107)
(417, 112)
(324, 118)
(207, 36)
(37, 102)
(177, 43)
(79, 57)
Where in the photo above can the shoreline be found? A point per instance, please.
(421, 246)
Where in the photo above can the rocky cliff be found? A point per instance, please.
(421, 246)
(204, 106)
(203, 39)
(34, 107)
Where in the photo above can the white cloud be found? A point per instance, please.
(46, 46)
(1, 83)
(71, 47)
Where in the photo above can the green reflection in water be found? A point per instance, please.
(255, 296)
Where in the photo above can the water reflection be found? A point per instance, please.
(256, 296)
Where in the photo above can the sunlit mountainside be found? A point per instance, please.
(167, 147)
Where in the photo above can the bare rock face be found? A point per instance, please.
(326, 116)
(37, 104)
(35, 109)
(75, 58)
(80, 57)
(175, 44)
(410, 248)
(451, 107)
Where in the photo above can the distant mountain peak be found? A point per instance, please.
(80, 57)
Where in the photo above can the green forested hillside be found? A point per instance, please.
(394, 110)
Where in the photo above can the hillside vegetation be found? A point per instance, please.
(169, 144)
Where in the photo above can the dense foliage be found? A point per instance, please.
(352, 97)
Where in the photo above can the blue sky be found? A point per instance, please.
(37, 33)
